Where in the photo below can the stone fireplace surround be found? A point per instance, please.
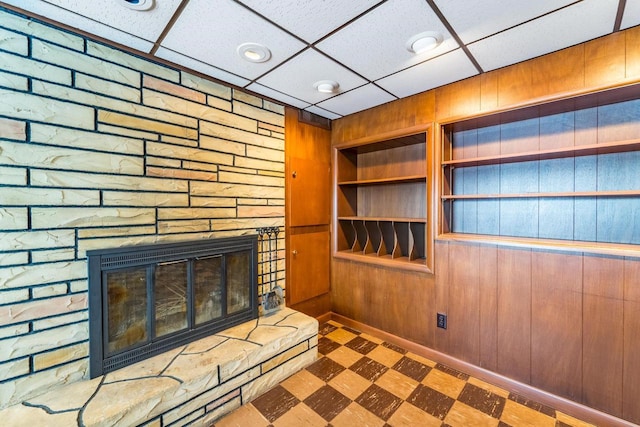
(195, 383)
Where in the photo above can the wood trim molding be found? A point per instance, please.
(567, 406)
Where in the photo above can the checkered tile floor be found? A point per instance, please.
(360, 380)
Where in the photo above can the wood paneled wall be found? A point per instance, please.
(562, 322)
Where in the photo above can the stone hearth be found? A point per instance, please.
(200, 381)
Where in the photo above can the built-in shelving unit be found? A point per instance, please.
(381, 207)
(562, 171)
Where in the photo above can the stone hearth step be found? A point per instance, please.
(200, 381)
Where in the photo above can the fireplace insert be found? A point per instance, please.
(145, 300)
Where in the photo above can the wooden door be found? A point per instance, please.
(309, 193)
(309, 255)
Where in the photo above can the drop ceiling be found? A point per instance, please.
(361, 44)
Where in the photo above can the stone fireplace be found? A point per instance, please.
(145, 300)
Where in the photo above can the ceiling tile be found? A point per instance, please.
(631, 16)
(311, 19)
(90, 24)
(278, 96)
(201, 67)
(473, 19)
(297, 76)
(323, 113)
(212, 34)
(357, 100)
(581, 22)
(429, 75)
(374, 45)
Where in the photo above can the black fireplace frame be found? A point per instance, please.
(117, 259)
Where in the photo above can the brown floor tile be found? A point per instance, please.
(431, 401)
(428, 362)
(394, 347)
(412, 368)
(397, 383)
(482, 400)
(345, 356)
(275, 403)
(327, 402)
(350, 384)
(325, 369)
(408, 415)
(300, 416)
(246, 415)
(355, 415)
(444, 383)
(452, 372)
(533, 405)
(521, 416)
(368, 369)
(379, 401)
(461, 415)
(361, 345)
(326, 328)
(326, 346)
(302, 384)
(385, 356)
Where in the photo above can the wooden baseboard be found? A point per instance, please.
(564, 405)
(324, 317)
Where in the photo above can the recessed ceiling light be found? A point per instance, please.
(424, 42)
(326, 86)
(254, 52)
(137, 4)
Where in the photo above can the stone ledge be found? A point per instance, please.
(200, 381)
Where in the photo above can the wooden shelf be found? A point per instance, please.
(616, 249)
(382, 181)
(382, 197)
(580, 150)
(619, 193)
(386, 219)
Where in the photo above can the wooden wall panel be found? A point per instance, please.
(632, 53)
(605, 60)
(557, 72)
(458, 99)
(488, 288)
(631, 357)
(603, 331)
(556, 323)
(488, 91)
(514, 84)
(401, 114)
(464, 298)
(514, 313)
(441, 293)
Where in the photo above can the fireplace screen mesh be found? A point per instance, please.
(146, 300)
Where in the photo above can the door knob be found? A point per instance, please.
(295, 252)
(294, 174)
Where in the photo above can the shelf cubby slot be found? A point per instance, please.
(374, 235)
(388, 242)
(364, 244)
(401, 249)
(347, 236)
(417, 251)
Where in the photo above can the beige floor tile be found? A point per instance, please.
(421, 359)
(350, 384)
(461, 415)
(341, 336)
(573, 422)
(408, 415)
(492, 388)
(371, 338)
(355, 415)
(300, 416)
(302, 384)
(344, 356)
(245, 415)
(384, 355)
(397, 383)
(521, 416)
(444, 383)
(334, 323)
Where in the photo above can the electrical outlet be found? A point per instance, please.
(441, 320)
